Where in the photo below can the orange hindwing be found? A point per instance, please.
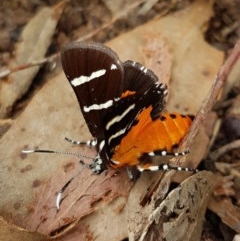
(164, 133)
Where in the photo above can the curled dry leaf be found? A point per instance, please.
(180, 215)
(228, 213)
(35, 40)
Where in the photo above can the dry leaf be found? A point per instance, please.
(35, 40)
(158, 57)
(229, 214)
(9, 232)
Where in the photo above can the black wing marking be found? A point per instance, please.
(137, 77)
(98, 75)
(140, 79)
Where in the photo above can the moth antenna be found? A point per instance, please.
(58, 152)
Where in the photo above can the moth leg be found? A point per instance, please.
(166, 153)
(146, 164)
(133, 173)
(90, 143)
(163, 167)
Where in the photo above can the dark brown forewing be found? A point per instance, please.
(83, 59)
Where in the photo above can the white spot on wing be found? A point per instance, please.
(119, 117)
(98, 106)
(115, 162)
(102, 144)
(84, 79)
(119, 133)
(113, 66)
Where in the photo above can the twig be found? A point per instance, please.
(11, 70)
(223, 149)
